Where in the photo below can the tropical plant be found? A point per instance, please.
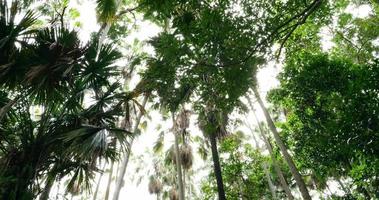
(331, 90)
(243, 172)
(55, 73)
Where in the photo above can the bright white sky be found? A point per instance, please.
(143, 144)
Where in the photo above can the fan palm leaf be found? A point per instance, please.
(10, 34)
(106, 10)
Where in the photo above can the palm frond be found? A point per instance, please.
(106, 10)
(159, 144)
(99, 66)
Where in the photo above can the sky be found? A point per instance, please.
(141, 157)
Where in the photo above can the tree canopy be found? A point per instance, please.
(82, 83)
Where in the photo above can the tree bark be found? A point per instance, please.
(277, 169)
(125, 161)
(287, 157)
(189, 187)
(264, 165)
(269, 181)
(178, 160)
(217, 167)
(347, 191)
(268, 145)
(107, 192)
(98, 182)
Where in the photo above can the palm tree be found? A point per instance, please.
(213, 125)
(124, 164)
(178, 161)
(155, 186)
(54, 71)
(99, 181)
(110, 176)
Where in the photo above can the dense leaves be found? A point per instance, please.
(47, 129)
(63, 100)
(242, 171)
(332, 107)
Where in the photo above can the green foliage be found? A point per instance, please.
(330, 128)
(53, 70)
(106, 10)
(242, 172)
(355, 38)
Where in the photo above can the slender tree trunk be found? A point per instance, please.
(46, 191)
(178, 161)
(268, 145)
(346, 190)
(183, 168)
(264, 165)
(269, 181)
(98, 182)
(189, 188)
(125, 161)
(107, 192)
(278, 171)
(217, 167)
(287, 157)
(184, 182)
(58, 189)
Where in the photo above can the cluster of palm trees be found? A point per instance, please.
(67, 114)
(49, 68)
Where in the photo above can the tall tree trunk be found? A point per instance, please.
(184, 169)
(269, 181)
(98, 182)
(189, 187)
(184, 182)
(264, 165)
(268, 145)
(58, 189)
(125, 161)
(346, 190)
(178, 160)
(107, 192)
(46, 191)
(287, 157)
(217, 167)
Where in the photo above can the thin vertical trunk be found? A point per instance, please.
(98, 182)
(269, 181)
(178, 163)
(189, 188)
(184, 170)
(268, 145)
(125, 161)
(58, 189)
(346, 190)
(217, 167)
(277, 169)
(107, 192)
(264, 165)
(184, 182)
(287, 157)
